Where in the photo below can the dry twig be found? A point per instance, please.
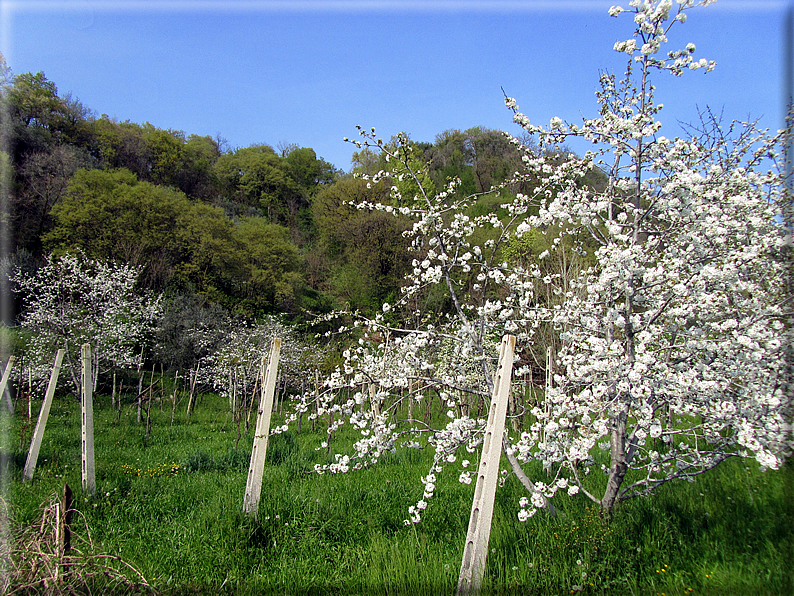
(49, 557)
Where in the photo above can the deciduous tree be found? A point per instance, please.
(73, 300)
(670, 334)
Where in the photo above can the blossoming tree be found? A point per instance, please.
(73, 300)
(232, 368)
(670, 328)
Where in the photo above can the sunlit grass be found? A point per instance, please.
(170, 503)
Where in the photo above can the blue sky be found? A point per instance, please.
(307, 72)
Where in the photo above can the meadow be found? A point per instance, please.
(168, 503)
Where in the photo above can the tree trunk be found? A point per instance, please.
(429, 409)
(95, 371)
(619, 463)
(522, 477)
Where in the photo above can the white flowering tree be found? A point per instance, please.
(670, 328)
(232, 369)
(73, 300)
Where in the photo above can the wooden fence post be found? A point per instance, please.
(253, 486)
(374, 401)
(35, 444)
(63, 532)
(475, 550)
(4, 383)
(87, 423)
(193, 382)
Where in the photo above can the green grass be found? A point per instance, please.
(170, 504)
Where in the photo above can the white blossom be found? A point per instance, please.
(667, 324)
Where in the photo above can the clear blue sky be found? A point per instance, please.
(307, 72)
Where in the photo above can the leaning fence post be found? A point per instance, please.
(4, 383)
(253, 486)
(475, 551)
(87, 423)
(35, 444)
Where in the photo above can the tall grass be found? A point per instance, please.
(170, 504)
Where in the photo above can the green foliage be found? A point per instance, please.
(414, 189)
(281, 187)
(365, 250)
(195, 177)
(307, 170)
(112, 216)
(209, 263)
(252, 266)
(120, 145)
(38, 119)
(366, 161)
(524, 250)
(491, 203)
(163, 157)
(164, 152)
(34, 100)
(480, 157)
(258, 177)
(271, 267)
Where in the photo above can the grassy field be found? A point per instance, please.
(169, 504)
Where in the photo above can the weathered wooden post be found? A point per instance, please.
(87, 423)
(113, 392)
(30, 393)
(35, 444)
(63, 531)
(253, 486)
(374, 400)
(475, 550)
(4, 383)
(193, 382)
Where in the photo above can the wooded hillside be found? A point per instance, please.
(257, 230)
